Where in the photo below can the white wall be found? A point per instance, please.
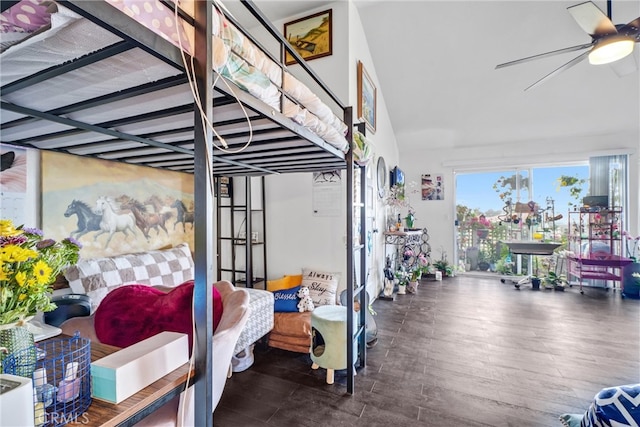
(297, 238)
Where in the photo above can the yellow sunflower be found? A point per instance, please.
(7, 228)
(42, 271)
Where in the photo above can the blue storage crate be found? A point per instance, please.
(59, 400)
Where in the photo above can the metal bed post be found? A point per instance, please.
(203, 305)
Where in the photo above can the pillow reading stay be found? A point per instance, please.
(322, 286)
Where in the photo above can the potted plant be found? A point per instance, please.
(535, 282)
(403, 279)
(554, 266)
(555, 281)
(443, 266)
(412, 286)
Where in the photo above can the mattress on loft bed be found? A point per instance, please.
(235, 57)
(238, 59)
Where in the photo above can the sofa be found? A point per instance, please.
(163, 269)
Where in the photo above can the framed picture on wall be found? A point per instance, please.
(367, 95)
(432, 187)
(311, 36)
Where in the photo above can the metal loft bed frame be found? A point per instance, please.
(178, 141)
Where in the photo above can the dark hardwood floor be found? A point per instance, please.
(465, 351)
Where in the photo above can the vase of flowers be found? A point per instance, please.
(29, 264)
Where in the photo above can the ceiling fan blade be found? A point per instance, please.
(592, 20)
(635, 23)
(545, 55)
(558, 70)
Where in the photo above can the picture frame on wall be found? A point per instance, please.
(367, 98)
(432, 187)
(311, 37)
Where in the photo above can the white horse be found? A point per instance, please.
(111, 221)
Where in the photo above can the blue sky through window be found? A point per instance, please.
(475, 190)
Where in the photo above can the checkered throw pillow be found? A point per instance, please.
(97, 277)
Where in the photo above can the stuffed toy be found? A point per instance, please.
(305, 303)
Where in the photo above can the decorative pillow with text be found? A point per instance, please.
(322, 286)
(286, 300)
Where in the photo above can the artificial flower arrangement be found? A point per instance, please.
(29, 264)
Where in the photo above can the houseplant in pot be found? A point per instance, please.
(402, 276)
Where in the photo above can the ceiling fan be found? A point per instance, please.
(609, 42)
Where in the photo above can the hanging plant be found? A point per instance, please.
(362, 149)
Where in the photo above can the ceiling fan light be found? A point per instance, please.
(611, 49)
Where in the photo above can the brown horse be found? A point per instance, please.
(159, 206)
(146, 220)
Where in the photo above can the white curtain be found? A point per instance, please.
(609, 176)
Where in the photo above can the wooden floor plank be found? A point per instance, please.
(465, 351)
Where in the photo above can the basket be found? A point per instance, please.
(62, 379)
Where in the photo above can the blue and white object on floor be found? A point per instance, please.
(615, 406)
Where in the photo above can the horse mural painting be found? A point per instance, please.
(113, 222)
(184, 216)
(161, 212)
(87, 219)
(158, 205)
(145, 220)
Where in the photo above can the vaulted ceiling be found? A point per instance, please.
(435, 66)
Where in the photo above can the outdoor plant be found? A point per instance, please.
(574, 184)
(553, 268)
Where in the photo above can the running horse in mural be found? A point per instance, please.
(161, 209)
(113, 222)
(184, 215)
(146, 220)
(87, 219)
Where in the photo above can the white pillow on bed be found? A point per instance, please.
(98, 276)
